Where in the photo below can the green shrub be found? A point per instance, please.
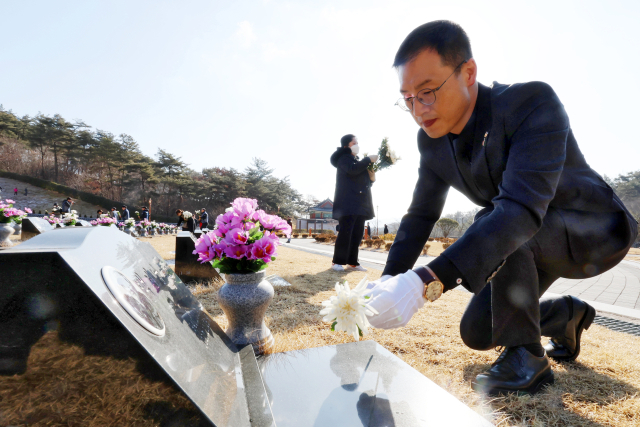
(425, 250)
(377, 243)
(388, 246)
(368, 243)
(446, 245)
(388, 236)
(295, 235)
(305, 235)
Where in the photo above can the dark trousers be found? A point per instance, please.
(509, 312)
(349, 238)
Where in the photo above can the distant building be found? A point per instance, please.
(319, 217)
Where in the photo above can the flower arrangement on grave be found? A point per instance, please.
(70, 218)
(10, 214)
(386, 157)
(104, 220)
(129, 223)
(53, 220)
(153, 224)
(186, 215)
(244, 239)
(145, 223)
(347, 311)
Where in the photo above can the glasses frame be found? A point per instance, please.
(402, 102)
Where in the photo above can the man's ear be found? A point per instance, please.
(470, 72)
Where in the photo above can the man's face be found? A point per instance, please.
(454, 100)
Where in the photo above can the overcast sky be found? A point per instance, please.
(220, 82)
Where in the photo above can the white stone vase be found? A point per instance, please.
(6, 230)
(18, 228)
(244, 298)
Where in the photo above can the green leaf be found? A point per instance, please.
(333, 325)
(360, 331)
(273, 258)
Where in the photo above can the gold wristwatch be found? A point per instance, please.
(433, 288)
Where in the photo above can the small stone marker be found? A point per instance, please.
(276, 280)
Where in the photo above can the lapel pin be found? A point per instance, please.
(486, 134)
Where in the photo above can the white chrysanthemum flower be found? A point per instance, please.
(187, 214)
(348, 310)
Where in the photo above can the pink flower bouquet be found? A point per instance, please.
(105, 221)
(10, 214)
(244, 239)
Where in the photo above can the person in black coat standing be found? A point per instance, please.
(204, 219)
(125, 213)
(386, 229)
(352, 204)
(546, 214)
(145, 213)
(189, 223)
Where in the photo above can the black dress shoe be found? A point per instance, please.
(567, 347)
(516, 370)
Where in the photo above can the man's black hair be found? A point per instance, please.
(345, 140)
(446, 38)
(68, 198)
(124, 206)
(144, 207)
(112, 208)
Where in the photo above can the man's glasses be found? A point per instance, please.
(425, 96)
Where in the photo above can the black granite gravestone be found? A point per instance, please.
(127, 302)
(187, 266)
(32, 226)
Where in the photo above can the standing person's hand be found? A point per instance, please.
(373, 157)
(396, 299)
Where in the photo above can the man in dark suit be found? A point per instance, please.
(352, 202)
(145, 213)
(66, 205)
(125, 213)
(546, 214)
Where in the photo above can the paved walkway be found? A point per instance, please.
(616, 291)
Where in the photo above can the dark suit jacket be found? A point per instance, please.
(125, 214)
(516, 159)
(204, 218)
(353, 185)
(144, 214)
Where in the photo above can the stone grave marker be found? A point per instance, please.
(32, 226)
(187, 266)
(128, 301)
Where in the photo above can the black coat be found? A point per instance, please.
(353, 186)
(516, 158)
(189, 224)
(125, 214)
(204, 218)
(144, 214)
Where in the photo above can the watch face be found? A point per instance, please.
(434, 290)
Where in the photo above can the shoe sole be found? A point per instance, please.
(497, 391)
(584, 324)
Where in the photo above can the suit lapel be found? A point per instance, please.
(482, 136)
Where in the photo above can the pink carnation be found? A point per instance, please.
(263, 249)
(237, 236)
(270, 222)
(244, 208)
(236, 252)
(27, 210)
(9, 201)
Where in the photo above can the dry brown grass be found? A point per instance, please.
(601, 388)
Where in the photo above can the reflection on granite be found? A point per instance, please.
(276, 280)
(32, 226)
(357, 384)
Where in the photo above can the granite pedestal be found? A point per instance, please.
(128, 303)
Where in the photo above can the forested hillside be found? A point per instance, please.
(96, 161)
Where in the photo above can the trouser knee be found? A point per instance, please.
(475, 333)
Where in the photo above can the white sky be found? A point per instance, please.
(219, 82)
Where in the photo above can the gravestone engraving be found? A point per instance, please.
(128, 301)
(187, 266)
(32, 226)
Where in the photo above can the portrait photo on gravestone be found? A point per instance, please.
(319, 214)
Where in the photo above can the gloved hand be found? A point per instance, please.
(373, 157)
(395, 299)
(384, 278)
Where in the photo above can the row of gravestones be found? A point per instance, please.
(128, 303)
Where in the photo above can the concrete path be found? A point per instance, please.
(617, 291)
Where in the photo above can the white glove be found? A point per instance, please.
(373, 157)
(384, 278)
(396, 299)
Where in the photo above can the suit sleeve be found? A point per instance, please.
(426, 207)
(350, 168)
(537, 126)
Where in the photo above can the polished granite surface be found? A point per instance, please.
(32, 226)
(357, 384)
